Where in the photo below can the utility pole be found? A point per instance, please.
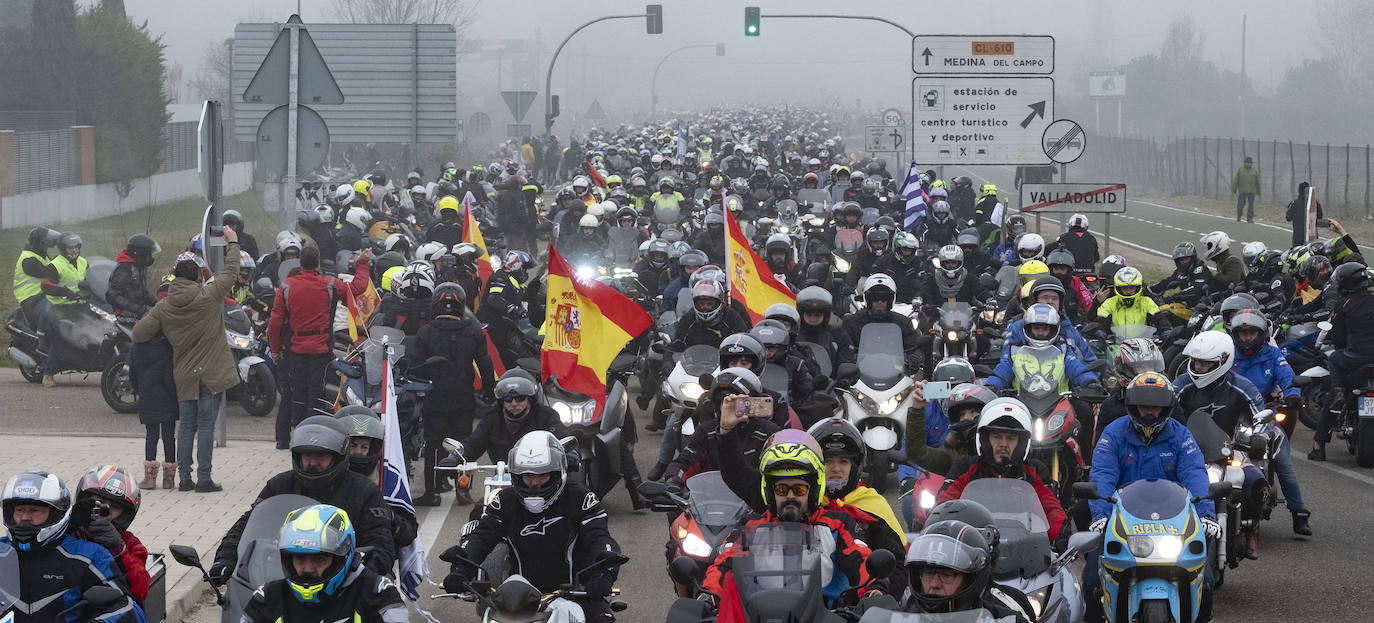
(1244, 101)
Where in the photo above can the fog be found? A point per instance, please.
(812, 61)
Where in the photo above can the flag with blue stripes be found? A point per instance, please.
(915, 199)
(413, 568)
(681, 143)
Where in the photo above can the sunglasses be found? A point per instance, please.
(800, 490)
(510, 399)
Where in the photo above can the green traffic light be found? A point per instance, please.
(751, 21)
(753, 30)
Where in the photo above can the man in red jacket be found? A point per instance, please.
(1003, 445)
(299, 329)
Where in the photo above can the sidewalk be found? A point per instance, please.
(165, 517)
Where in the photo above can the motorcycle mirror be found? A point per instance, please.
(706, 381)
(683, 570)
(453, 446)
(1083, 542)
(569, 443)
(657, 347)
(880, 563)
(185, 554)
(101, 596)
(1324, 325)
(618, 605)
(1086, 490)
(1218, 490)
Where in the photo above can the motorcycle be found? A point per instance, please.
(94, 600)
(259, 560)
(1024, 558)
(848, 241)
(955, 334)
(709, 513)
(877, 402)
(1153, 551)
(257, 393)
(1306, 350)
(1042, 387)
(1227, 457)
(918, 501)
(682, 390)
(516, 600)
(1356, 422)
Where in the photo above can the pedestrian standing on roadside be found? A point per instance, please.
(192, 318)
(299, 330)
(1297, 214)
(150, 372)
(1245, 185)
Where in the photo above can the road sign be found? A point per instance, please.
(312, 140)
(1076, 197)
(480, 123)
(892, 116)
(884, 138)
(518, 130)
(1064, 141)
(983, 54)
(653, 19)
(1107, 84)
(595, 113)
(980, 120)
(210, 154)
(518, 102)
(272, 82)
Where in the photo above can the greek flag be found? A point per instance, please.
(915, 199)
(396, 487)
(681, 143)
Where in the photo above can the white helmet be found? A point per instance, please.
(998, 409)
(393, 240)
(431, 252)
(324, 213)
(415, 281)
(596, 211)
(582, 181)
(880, 280)
(1033, 243)
(358, 217)
(538, 452)
(1079, 220)
(288, 240)
(588, 220)
(1214, 346)
(343, 195)
(1216, 242)
(1040, 313)
(1252, 250)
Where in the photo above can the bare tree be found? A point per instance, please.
(1345, 25)
(459, 13)
(212, 81)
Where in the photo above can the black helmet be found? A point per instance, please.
(736, 381)
(815, 300)
(232, 218)
(448, 299)
(142, 249)
(840, 438)
(362, 422)
(42, 239)
(780, 182)
(953, 546)
(741, 345)
(971, 513)
(1253, 319)
(1185, 251)
(319, 433)
(878, 234)
(1350, 277)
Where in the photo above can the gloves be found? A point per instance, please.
(103, 533)
(1292, 405)
(1212, 527)
(219, 573)
(598, 587)
(1100, 525)
(455, 583)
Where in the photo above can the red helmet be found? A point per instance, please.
(116, 487)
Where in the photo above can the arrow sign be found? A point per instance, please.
(1037, 109)
(896, 140)
(271, 83)
(518, 102)
(927, 54)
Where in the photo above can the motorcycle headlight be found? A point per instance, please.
(841, 264)
(927, 500)
(238, 341)
(1038, 599)
(695, 546)
(1213, 473)
(691, 391)
(1168, 546)
(952, 335)
(571, 413)
(782, 229)
(1141, 546)
(1038, 429)
(890, 405)
(585, 273)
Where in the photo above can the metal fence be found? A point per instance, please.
(1204, 167)
(181, 146)
(45, 160)
(34, 120)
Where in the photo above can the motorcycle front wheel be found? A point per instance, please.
(259, 395)
(115, 386)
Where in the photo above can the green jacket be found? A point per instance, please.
(192, 318)
(1246, 181)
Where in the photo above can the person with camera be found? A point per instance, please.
(107, 500)
(55, 567)
(749, 429)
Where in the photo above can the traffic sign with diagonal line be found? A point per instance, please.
(1063, 141)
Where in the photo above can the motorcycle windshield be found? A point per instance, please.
(1151, 498)
(1025, 541)
(1210, 437)
(259, 560)
(1128, 331)
(787, 209)
(870, 216)
(837, 193)
(1039, 376)
(666, 210)
(236, 320)
(813, 196)
(849, 240)
(879, 615)
(883, 363)
(711, 502)
(778, 557)
(9, 578)
(957, 316)
(820, 356)
(98, 270)
(775, 379)
(700, 359)
(1007, 280)
(374, 350)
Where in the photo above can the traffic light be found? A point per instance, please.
(653, 15)
(751, 21)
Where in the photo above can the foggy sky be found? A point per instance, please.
(793, 60)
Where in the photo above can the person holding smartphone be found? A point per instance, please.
(745, 415)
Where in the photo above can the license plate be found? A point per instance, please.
(1366, 407)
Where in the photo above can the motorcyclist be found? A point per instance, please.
(1147, 444)
(353, 232)
(975, 260)
(30, 271)
(777, 351)
(1354, 346)
(504, 308)
(586, 244)
(1308, 297)
(653, 269)
(1078, 241)
(107, 501)
(711, 240)
(1191, 277)
(70, 267)
(517, 413)
(449, 404)
(1128, 305)
(712, 319)
(939, 227)
(950, 281)
(903, 267)
(961, 198)
(1265, 366)
(1134, 357)
(1061, 263)
(409, 304)
(128, 286)
(54, 566)
(793, 477)
(1268, 275)
(1012, 229)
(1041, 326)
(1003, 451)
(323, 578)
(949, 569)
(814, 305)
(778, 254)
(319, 470)
(553, 525)
(449, 230)
(989, 208)
(1230, 269)
(876, 243)
(1049, 291)
(688, 264)
(1028, 247)
(1215, 388)
(366, 439)
(288, 248)
(247, 243)
(879, 295)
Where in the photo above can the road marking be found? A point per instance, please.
(1208, 215)
(432, 523)
(1336, 469)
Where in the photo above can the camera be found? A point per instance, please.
(100, 509)
(216, 231)
(1321, 222)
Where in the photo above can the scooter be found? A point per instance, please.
(515, 600)
(259, 560)
(709, 513)
(1153, 551)
(877, 402)
(257, 393)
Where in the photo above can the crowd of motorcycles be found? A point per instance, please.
(787, 179)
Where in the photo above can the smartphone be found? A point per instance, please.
(936, 390)
(1323, 223)
(755, 406)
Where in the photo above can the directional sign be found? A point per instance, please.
(210, 153)
(1077, 197)
(1107, 84)
(983, 54)
(1064, 141)
(881, 138)
(271, 84)
(312, 140)
(980, 120)
(892, 116)
(518, 102)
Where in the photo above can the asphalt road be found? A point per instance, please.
(1317, 578)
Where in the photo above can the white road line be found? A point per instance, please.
(1198, 213)
(433, 521)
(1336, 469)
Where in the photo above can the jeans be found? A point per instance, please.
(1341, 363)
(1288, 480)
(667, 448)
(1242, 201)
(198, 425)
(1092, 583)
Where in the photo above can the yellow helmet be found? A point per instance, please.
(364, 188)
(448, 203)
(937, 184)
(989, 189)
(1033, 267)
(792, 454)
(389, 275)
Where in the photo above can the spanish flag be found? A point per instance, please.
(474, 235)
(587, 324)
(751, 281)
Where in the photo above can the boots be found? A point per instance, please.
(658, 418)
(1300, 525)
(641, 505)
(656, 472)
(169, 476)
(49, 381)
(1318, 452)
(430, 498)
(149, 481)
(1252, 544)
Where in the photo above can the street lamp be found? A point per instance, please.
(653, 87)
(653, 15)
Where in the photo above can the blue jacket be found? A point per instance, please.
(670, 293)
(937, 426)
(1268, 370)
(1005, 252)
(1004, 374)
(1122, 457)
(68, 568)
(1015, 335)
